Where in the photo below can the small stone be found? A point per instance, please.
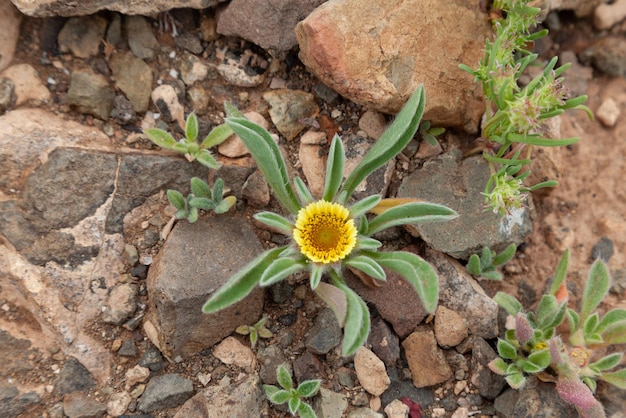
(450, 327)
(141, 39)
(313, 167)
(364, 413)
(489, 384)
(28, 85)
(603, 249)
(288, 108)
(208, 28)
(133, 77)
(607, 15)
(608, 113)
(198, 99)
(385, 344)
(7, 89)
(193, 69)
(166, 100)
(607, 54)
(325, 333)
(128, 348)
(152, 359)
(121, 303)
(426, 361)
(79, 405)
(371, 372)
(270, 358)
(204, 378)
(123, 110)
(329, 404)
(397, 409)
(373, 123)
(313, 138)
(167, 391)
(131, 254)
(74, 377)
(461, 413)
(118, 403)
(231, 351)
(308, 366)
(427, 150)
(189, 41)
(346, 377)
(137, 374)
(82, 35)
(256, 190)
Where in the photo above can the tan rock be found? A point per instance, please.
(371, 372)
(377, 55)
(608, 113)
(10, 20)
(28, 85)
(313, 167)
(137, 374)
(426, 361)
(397, 409)
(373, 123)
(231, 351)
(450, 327)
(234, 147)
(289, 109)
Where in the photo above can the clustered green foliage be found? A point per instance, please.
(486, 264)
(292, 396)
(201, 197)
(255, 331)
(513, 112)
(533, 347)
(277, 264)
(430, 134)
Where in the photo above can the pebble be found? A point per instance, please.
(152, 359)
(489, 384)
(74, 377)
(426, 361)
(397, 409)
(325, 333)
(118, 403)
(608, 55)
(141, 39)
(269, 359)
(128, 348)
(371, 372)
(462, 412)
(189, 41)
(288, 108)
(137, 374)
(373, 123)
(7, 89)
(256, 191)
(165, 98)
(231, 351)
(193, 69)
(384, 342)
(608, 113)
(123, 110)
(235, 74)
(313, 167)
(79, 405)
(82, 35)
(167, 391)
(28, 85)
(121, 303)
(329, 404)
(133, 77)
(450, 327)
(607, 15)
(603, 249)
(313, 138)
(364, 413)
(198, 99)
(307, 366)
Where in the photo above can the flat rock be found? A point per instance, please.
(167, 391)
(385, 344)
(329, 404)
(313, 167)
(268, 24)
(489, 384)
(182, 277)
(426, 361)
(371, 372)
(82, 36)
(74, 377)
(325, 333)
(450, 327)
(79, 405)
(269, 359)
(90, 93)
(377, 55)
(13, 403)
(535, 399)
(458, 184)
(134, 77)
(231, 351)
(10, 20)
(243, 398)
(28, 85)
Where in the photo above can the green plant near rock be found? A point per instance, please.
(255, 331)
(486, 264)
(292, 396)
(334, 233)
(514, 113)
(201, 197)
(533, 347)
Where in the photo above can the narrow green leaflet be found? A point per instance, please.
(416, 271)
(303, 192)
(280, 269)
(509, 303)
(199, 188)
(367, 266)
(561, 272)
(410, 213)
(242, 283)
(160, 137)
(284, 378)
(308, 388)
(270, 390)
(395, 138)
(357, 325)
(364, 205)
(334, 169)
(205, 158)
(217, 135)
(537, 140)
(306, 411)
(268, 158)
(616, 334)
(280, 397)
(596, 288)
(294, 405)
(611, 318)
(473, 265)
(177, 199)
(608, 362)
(316, 272)
(191, 127)
(275, 221)
(505, 256)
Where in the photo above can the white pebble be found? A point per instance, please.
(608, 112)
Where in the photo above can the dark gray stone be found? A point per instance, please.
(123, 110)
(325, 334)
(74, 377)
(128, 349)
(308, 366)
(7, 88)
(14, 354)
(60, 248)
(385, 344)
(167, 391)
(141, 39)
(13, 404)
(608, 55)
(281, 292)
(134, 77)
(152, 359)
(535, 400)
(489, 384)
(269, 359)
(82, 36)
(399, 389)
(457, 183)
(79, 405)
(190, 41)
(603, 250)
(90, 93)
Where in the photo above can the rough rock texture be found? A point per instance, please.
(535, 399)
(10, 21)
(426, 361)
(377, 54)
(580, 7)
(268, 23)
(167, 391)
(43, 8)
(196, 260)
(371, 372)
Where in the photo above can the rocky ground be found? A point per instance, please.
(100, 291)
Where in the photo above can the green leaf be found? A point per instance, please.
(416, 271)
(617, 378)
(395, 138)
(543, 142)
(473, 265)
(284, 378)
(573, 319)
(410, 213)
(193, 215)
(561, 272)
(596, 288)
(364, 205)
(306, 411)
(540, 358)
(506, 350)
(492, 275)
(498, 366)
(294, 405)
(516, 380)
(486, 258)
(608, 362)
(177, 199)
(529, 367)
(615, 334)
(367, 243)
(217, 135)
(508, 303)
(268, 158)
(160, 137)
(205, 158)
(201, 203)
(191, 127)
(611, 318)
(334, 169)
(200, 189)
(591, 323)
(505, 256)
(316, 271)
(308, 388)
(357, 324)
(218, 189)
(270, 390)
(226, 203)
(280, 397)
(242, 283)
(550, 312)
(280, 269)
(303, 191)
(274, 220)
(367, 266)
(254, 336)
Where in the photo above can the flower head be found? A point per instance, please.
(324, 232)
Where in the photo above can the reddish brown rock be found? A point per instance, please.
(426, 361)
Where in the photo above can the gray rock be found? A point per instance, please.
(329, 404)
(269, 24)
(234, 176)
(364, 413)
(243, 398)
(121, 304)
(15, 354)
(82, 36)
(167, 391)
(269, 359)
(60, 248)
(152, 359)
(385, 344)
(73, 377)
(190, 41)
(256, 191)
(603, 250)
(535, 399)
(10, 20)
(288, 108)
(400, 388)
(13, 403)
(114, 31)
(607, 54)
(79, 405)
(141, 39)
(307, 366)
(462, 294)
(7, 97)
(123, 110)
(579, 76)
(489, 384)
(458, 184)
(128, 348)
(192, 69)
(325, 333)
(90, 93)
(182, 277)
(134, 77)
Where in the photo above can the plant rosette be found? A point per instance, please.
(332, 233)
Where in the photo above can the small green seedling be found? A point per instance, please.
(201, 197)
(486, 264)
(429, 134)
(255, 331)
(188, 146)
(293, 396)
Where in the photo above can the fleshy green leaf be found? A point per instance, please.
(608, 362)
(217, 135)
(543, 142)
(529, 367)
(516, 380)
(306, 411)
(561, 272)
(280, 269)
(308, 388)
(367, 243)
(274, 220)
(284, 378)
(473, 265)
(364, 205)
(193, 215)
(540, 358)
(270, 390)
(280, 397)
(509, 303)
(611, 318)
(491, 275)
(505, 256)
(334, 169)
(177, 199)
(218, 189)
(225, 204)
(498, 366)
(616, 334)
(268, 158)
(416, 271)
(294, 405)
(201, 203)
(191, 127)
(357, 324)
(303, 191)
(205, 158)
(367, 266)
(317, 271)
(596, 288)
(617, 378)
(410, 213)
(199, 188)
(550, 312)
(591, 323)
(506, 350)
(160, 138)
(395, 138)
(242, 283)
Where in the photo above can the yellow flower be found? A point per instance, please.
(324, 232)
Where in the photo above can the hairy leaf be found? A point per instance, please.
(334, 169)
(596, 288)
(217, 135)
(280, 269)
(410, 213)
(357, 324)
(274, 220)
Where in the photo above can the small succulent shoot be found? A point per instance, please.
(189, 146)
(292, 396)
(486, 264)
(514, 113)
(333, 233)
(201, 197)
(429, 134)
(533, 346)
(255, 331)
